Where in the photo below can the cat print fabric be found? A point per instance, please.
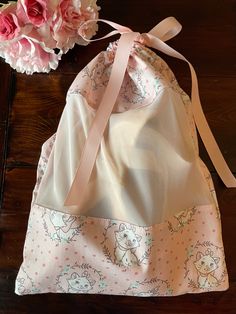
(79, 254)
(80, 283)
(114, 257)
(126, 243)
(130, 248)
(206, 264)
(62, 228)
(80, 279)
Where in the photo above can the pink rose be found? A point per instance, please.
(33, 11)
(28, 56)
(66, 22)
(30, 30)
(9, 27)
(89, 11)
(68, 17)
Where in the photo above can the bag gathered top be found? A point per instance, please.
(123, 204)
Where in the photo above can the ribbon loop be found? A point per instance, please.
(166, 29)
(119, 29)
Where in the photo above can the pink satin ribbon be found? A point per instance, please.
(166, 29)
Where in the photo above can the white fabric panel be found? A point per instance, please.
(146, 168)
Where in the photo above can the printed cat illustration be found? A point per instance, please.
(126, 243)
(133, 91)
(183, 218)
(63, 226)
(206, 264)
(98, 74)
(80, 283)
(20, 285)
(151, 292)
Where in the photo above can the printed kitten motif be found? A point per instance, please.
(183, 218)
(80, 283)
(63, 226)
(98, 74)
(133, 91)
(206, 264)
(20, 285)
(149, 293)
(126, 243)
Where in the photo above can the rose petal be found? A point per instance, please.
(27, 56)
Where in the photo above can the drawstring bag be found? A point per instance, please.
(123, 204)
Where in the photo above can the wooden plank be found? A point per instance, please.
(5, 91)
(2, 155)
(10, 221)
(5, 96)
(216, 302)
(11, 248)
(19, 184)
(35, 114)
(208, 12)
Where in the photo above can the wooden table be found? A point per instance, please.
(30, 111)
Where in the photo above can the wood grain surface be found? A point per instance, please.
(30, 109)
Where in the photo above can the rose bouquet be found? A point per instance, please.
(35, 33)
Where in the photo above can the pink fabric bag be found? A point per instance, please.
(123, 204)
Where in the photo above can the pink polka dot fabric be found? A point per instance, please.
(84, 256)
